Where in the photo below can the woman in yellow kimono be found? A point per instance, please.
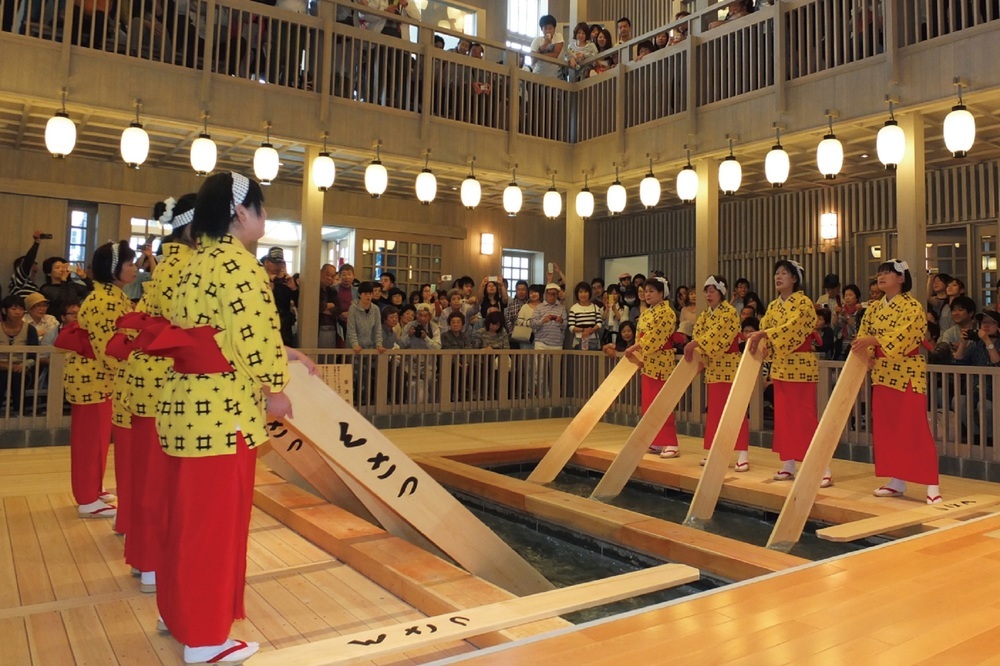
(89, 381)
(654, 340)
(891, 333)
(229, 363)
(717, 337)
(785, 330)
(144, 376)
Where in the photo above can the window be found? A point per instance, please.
(413, 264)
(147, 231)
(82, 220)
(522, 18)
(515, 266)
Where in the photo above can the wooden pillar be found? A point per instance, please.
(573, 263)
(706, 223)
(911, 203)
(310, 258)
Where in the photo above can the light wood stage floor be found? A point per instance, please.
(67, 597)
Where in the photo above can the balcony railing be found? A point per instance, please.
(402, 387)
(788, 40)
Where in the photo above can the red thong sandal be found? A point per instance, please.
(937, 499)
(102, 512)
(232, 656)
(783, 476)
(886, 491)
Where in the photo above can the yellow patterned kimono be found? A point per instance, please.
(145, 374)
(654, 329)
(715, 332)
(788, 324)
(198, 415)
(88, 381)
(899, 325)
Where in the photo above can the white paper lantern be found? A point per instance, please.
(730, 175)
(890, 144)
(830, 154)
(203, 154)
(426, 186)
(377, 179)
(134, 145)
(585, 203)
(324, 171)
(552, 203)
(60, 135)
(687, 183)
(777, 166)
(959, 130)
(512, 199)
(649, 190)
(265, 163)
(472, 192)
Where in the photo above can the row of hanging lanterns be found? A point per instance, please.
(959, 136)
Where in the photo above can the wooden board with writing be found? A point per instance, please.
(458, 625)
(921, 515)
(581, 425)
(339, 377)
(323, 420)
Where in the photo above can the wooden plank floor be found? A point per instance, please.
(66, 596)
(929, 599)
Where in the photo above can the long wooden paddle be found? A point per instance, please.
(624, 464)
(706, 495)
(357, 447)
(799, 502)
(581, 425)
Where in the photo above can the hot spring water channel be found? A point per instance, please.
(566, 557)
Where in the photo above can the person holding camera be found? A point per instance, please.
(286, 292)
(421, 333)
(978, 346)
(22, 281)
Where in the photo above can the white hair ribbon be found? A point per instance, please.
(241, 185)
(712, 282)
(666, 285)
(168, 213)
(900, 266)
(114, 257)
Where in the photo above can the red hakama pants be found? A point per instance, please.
(667, 436)
(89, 437)
(149, 474)
(718, 393)
(202, 572)
(122, 438)
(794, 418)
(901, 437)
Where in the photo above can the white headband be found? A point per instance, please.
(114, 257)
(712, 282)
(168, 213)
(241, 185)
(798, 269)
(666, 285)
(900, 266)
(183, 219)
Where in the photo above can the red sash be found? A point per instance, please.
(194, 350)
(75, 339)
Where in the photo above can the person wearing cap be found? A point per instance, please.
(549, 320)
(889, 338)
(717, 337)
(286, 292)
(46, 325)
(89, 377)
(144, 375)
(624, 280)
(655, 340)
(225, 385)
(785, 332)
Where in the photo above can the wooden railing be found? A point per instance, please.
(403, 383)
(788, 40)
